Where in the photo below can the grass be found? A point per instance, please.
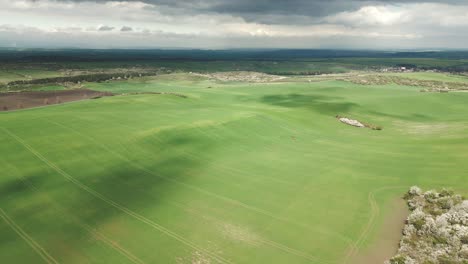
(22, 74)
(237, 173)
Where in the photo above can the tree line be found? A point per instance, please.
(98, 77)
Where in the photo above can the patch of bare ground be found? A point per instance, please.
(357, 123)
(199, 257)
(428, 129)
(241, 234)
(196, 258)
(387, 239)
(242, 76)
(22, 100)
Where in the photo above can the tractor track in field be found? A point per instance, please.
(374, 213)
(179, 205)
(209, 193)
(116, 205)
(96, 234)
(271, 243)
(31, 242)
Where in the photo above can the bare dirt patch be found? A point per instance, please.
(238, 233)
(22, 100)
(357, 123)
(424, 129)
(196, 258)
(387, 239)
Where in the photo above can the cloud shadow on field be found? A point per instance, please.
(408, 117)
(137, 186)
(326, 105)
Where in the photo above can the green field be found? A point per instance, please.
(235, 173)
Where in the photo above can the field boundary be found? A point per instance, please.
(375, 211)
(116, 205)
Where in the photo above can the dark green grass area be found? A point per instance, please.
(241, 173)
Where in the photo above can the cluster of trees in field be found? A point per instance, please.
(436, 230)
(463, 67)
(454, 69)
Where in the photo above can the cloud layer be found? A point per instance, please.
(390, 24)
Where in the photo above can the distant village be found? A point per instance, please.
(399, 69)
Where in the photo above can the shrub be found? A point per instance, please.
(436, 230)
(414, 190)
(398, 260)
(419, 223)
(445, 203)
(446, 193)
(435, 211)
(447, 260)
(464, 239)
(430, 196)
(438, 240)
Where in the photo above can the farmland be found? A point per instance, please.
(254, 170)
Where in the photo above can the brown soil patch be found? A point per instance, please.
(21, 100)
(386, 243)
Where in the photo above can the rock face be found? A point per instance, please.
(436, 230)
(351, 122)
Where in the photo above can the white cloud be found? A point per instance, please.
(372, 15)
(440, 14)
(64, 22)
(404, 15)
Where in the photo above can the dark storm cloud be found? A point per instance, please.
(126, 29)
(237, 23)
(291, 7)
(105, 28)
(274, 11)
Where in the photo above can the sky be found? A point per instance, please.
(221, 24)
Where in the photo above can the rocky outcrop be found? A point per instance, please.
(436, 230)
(351, 122)
(357, 123)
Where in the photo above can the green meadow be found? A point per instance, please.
(232, 173)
